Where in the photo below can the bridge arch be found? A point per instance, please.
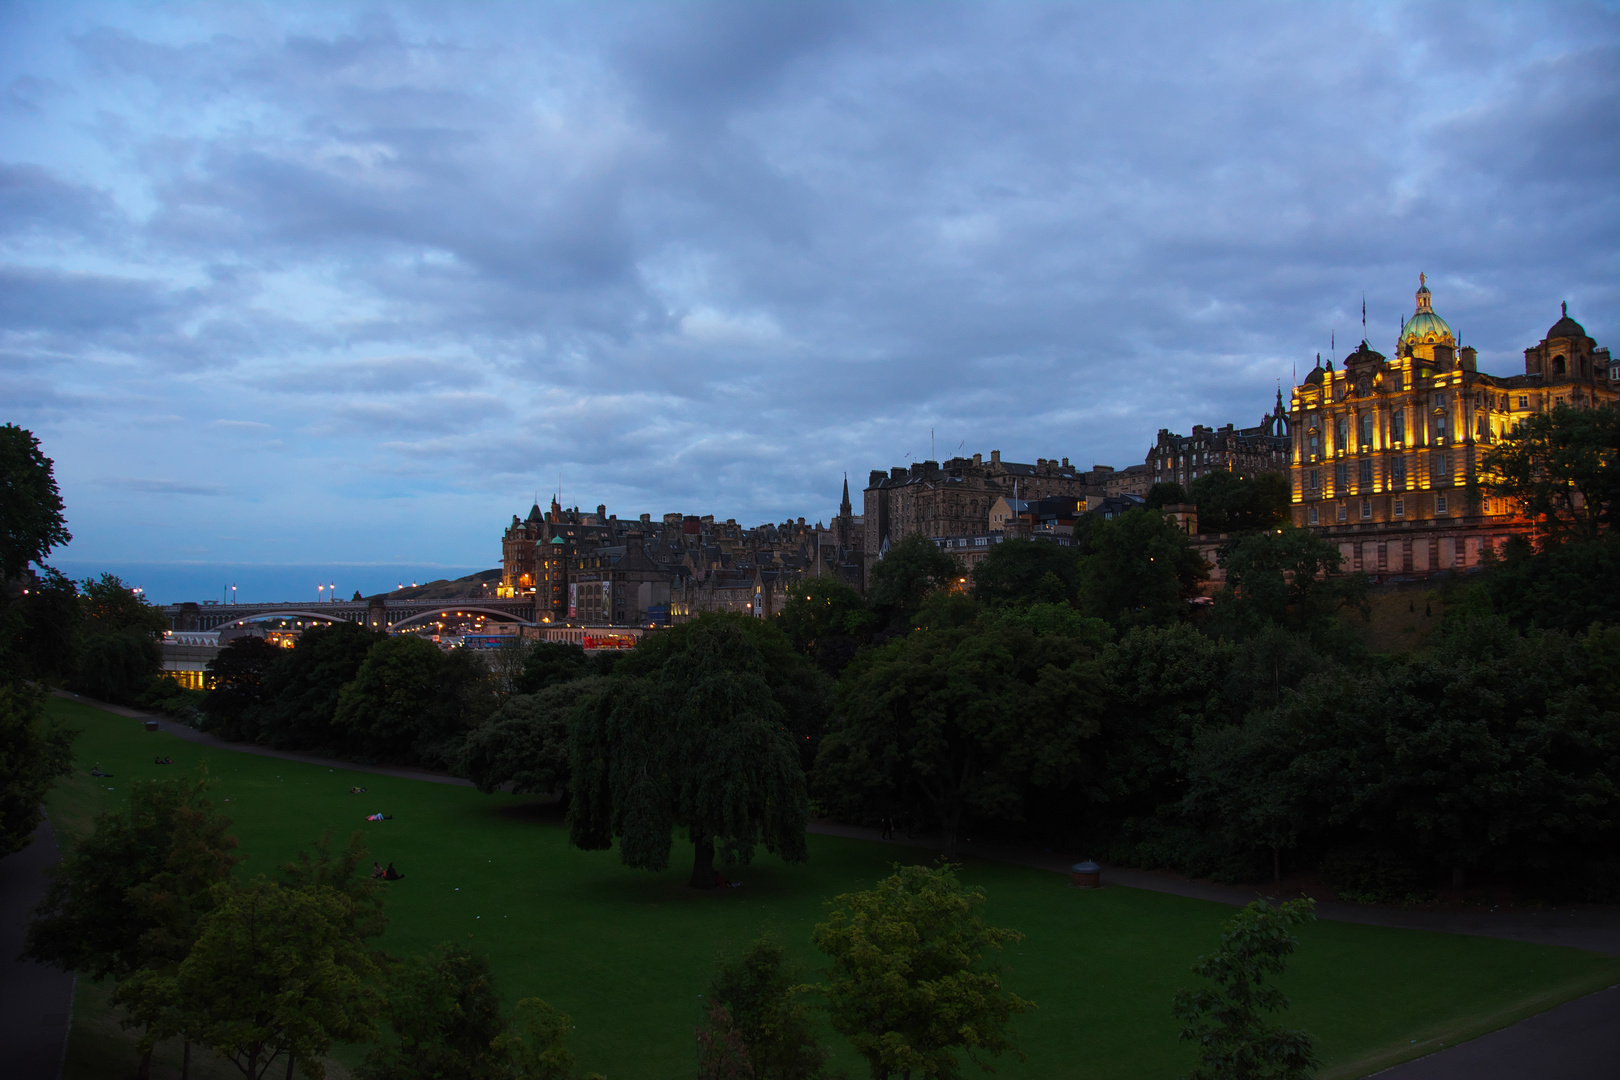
(323, 616)
(454, 609)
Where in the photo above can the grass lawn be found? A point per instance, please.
(628, 953)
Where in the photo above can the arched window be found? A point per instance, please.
(1560, 366)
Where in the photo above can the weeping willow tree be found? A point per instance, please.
(691, 733)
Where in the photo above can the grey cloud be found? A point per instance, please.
(161, 487)
(717, 255)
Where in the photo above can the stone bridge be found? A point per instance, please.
(379, 612)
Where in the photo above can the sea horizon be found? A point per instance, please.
(257, 583)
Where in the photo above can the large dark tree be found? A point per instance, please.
(128, 900)
(904, 577)
(551, 663)
(32, 755)
(1562, 468)
(301, 690)
(410, 702)
(236, 678)
(1027, 572)
(31, 521)
(1141, 570)
(40, 630)
(828, 621)
(111, 606)
(525, 743)
(1285, 576)
(945, 722)
(690, 734)
(1237, 502)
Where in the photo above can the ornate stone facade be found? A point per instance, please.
(1383, 448)
(1181, 459)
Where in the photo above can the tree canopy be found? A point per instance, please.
(32, 520)
(827, 620)
(1140, 571)
(525, 742)
(689, 733)
(33, 753)
(1562, 468)
(961, 719)
(904, 577)
(1020, 571)
(301, 690)
(1228, 1023)
(911, 984)
(1236, 502)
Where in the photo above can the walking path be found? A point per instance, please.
(1593, 929)
(1579, 1040)
(35, 1001)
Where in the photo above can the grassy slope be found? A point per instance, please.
(628, 953)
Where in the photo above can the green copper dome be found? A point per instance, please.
(1425, 325)
(1420, 326)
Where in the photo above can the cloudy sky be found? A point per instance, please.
(328, 283)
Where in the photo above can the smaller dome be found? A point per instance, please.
(1566, 327)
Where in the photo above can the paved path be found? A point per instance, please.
(1593, 929)
(1579, 1040)
(35, 1001)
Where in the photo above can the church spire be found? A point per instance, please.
(844, 509)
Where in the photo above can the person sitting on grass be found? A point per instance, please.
(392, 875)
(95, 770)
(357, 791)
(376, 870)
(161, 760)
(379, 816)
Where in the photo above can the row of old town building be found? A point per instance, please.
(1378, 453)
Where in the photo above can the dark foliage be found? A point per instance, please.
(40, 630)
(903, 578)
(690, 733)
(757, 1015)
(1236, 502)
(410, 702)
(1021, 571)
(1140, 570)
(236, 684)
(525, 742)
(118, 666)
(1164, 494)
(31, 510)
(302, 687)
(33, 753)
(551, 663)
(964, 719)
(828, 621)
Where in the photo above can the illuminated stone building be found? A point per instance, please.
(1383, 448)
(955, 498)
(1181, 459)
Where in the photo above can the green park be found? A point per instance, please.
(629, 954)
